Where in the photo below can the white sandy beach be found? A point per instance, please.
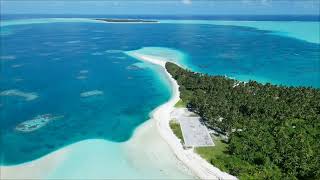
(161, 116)
(145, 156)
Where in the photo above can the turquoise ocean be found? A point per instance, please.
(58, 59)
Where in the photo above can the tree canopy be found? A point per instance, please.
(273, 131)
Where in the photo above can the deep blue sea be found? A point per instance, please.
(59, 61)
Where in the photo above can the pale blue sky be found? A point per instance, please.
(165, 7)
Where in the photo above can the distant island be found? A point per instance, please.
(126, 20)
(267, 131)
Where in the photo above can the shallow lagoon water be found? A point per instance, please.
(51, 68)
(54, 55)
(307, 31)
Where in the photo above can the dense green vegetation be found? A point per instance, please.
(211, 153)
(274, 131)
(180, 104)
(175, 126)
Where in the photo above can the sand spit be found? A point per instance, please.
(162, 116)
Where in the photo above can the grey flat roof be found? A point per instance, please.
(194, 133)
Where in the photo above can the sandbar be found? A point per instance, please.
(162, 115)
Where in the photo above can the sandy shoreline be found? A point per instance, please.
(161, 115)
(37, 169)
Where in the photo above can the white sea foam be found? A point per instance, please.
(120, 57)
(91, 93)
(113, 51)
(73, 42)
(17, 65)
(132, 67)
(56, 59)
(83, 71)
(141, 65)
(97, 54)
(96, 38)
(81, 77)
(9, 57)
(16, 92)
(18, 79)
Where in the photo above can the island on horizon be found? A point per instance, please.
(125, 20)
